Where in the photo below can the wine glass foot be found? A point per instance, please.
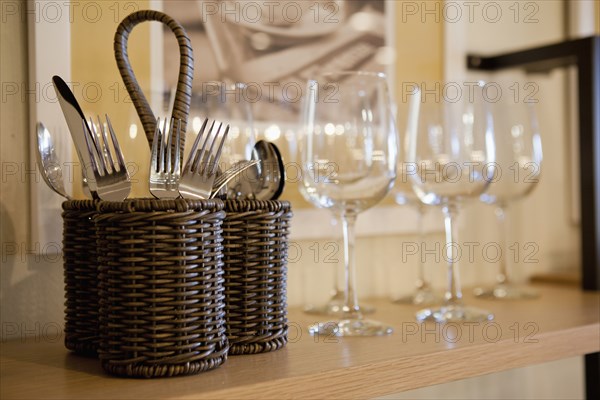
(454, 313)
(351, 327)
(419, 298)
(506, 292)
(335, 308)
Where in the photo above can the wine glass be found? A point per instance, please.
(449, 158)
(348, 154)
(519, 157)
(405, 196)
(228, 102)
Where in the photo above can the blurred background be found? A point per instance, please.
(413, 42)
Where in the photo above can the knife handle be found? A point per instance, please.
(183, 94)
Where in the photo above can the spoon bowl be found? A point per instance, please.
(281, 172)
(49, 162)
(265, 180)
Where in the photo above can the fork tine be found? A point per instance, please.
(117, 147)
(231, 173)
(107, 153)
(218, 155)
(204, 158)
(95, 135)
(236, 168)
(191, 157)
(99, 144)
(199, 156)
(101, 167)
(161, 157)
(177, 167)
(168, 166)
(154, 157)
(88, 140)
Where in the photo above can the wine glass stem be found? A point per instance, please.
(421, 282)
(336, 291)
(453, 292)
(501, 211)
(351, 308)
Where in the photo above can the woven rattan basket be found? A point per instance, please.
(81, 277)
(256, 248)
(161, 287)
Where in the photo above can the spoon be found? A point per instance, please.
(48, 161)
(281, 172)
(232, 173)
(265, 181)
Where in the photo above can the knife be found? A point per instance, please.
(74, 115)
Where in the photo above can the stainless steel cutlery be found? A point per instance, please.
(73, 115)
(111, 178)
(105, 172)
(202, 164)
(165, 165)
(233, 173)
(265, 180)
(48, 161)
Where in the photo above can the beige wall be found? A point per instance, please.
(14, 125)
(93, 65)
(31, 289)
(14, 185)
(597, 18)
(419, 46)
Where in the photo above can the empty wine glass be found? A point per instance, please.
(348, 151)
(519, 158)
(449, 158)
(224, 101)
(404, 195)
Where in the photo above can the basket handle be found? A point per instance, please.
(183, 94)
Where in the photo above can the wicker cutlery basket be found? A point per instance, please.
(256, 248)
(161, 295)
(81, 277)
(159, 288)
(162, 288)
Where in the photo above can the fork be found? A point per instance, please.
(112, 177)
(164, 172)
(231, 174)
(201, 166)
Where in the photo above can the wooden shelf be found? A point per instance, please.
(563, 322)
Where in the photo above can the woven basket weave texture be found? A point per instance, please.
(256, 252)
(161, 287)
(81, 277)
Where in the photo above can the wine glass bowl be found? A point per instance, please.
(348, 150)
(518, 152)
(225, 101)
(451, 157)
(347, 170)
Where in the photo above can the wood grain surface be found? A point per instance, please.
(564, 322)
